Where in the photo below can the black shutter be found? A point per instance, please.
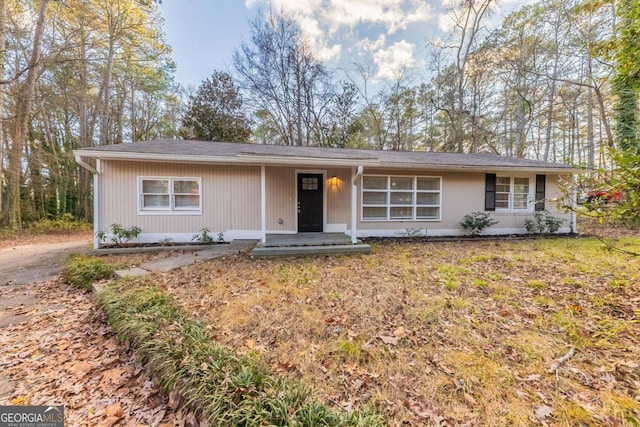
(490, 192)
(540, 192)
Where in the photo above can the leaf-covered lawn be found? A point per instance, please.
(460, 332)
(62, 352)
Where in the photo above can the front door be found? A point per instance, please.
(310, 199)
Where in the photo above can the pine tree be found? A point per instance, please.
(215, 112)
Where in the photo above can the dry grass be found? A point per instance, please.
(469, 330)
(28, 237)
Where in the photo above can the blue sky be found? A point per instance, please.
(388, 34)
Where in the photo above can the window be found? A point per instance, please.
(512, 193)
(309, 183)
(170, 195)
(400, 198)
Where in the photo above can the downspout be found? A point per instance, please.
(86, 165)
(96, 196)
(354, 203)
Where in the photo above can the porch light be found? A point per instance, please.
(334, 181)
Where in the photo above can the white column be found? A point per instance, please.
(572, 206)
(354, 206)
(97, 217)
(263, 205)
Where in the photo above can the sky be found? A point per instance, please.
(390, 35)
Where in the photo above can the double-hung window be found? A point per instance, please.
(401, 198)
(512, 193)
(166, 194)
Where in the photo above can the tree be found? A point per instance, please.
(75, 73)
(21, 123)
(626, 84)
(215, 112)
(468, 23)
(281, 77)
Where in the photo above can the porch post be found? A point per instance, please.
(354, 206)
(263, 205)
(97, 206)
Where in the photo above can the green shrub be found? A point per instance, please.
(119, 234)
(543, 223)
(66, 222)
(205, 237)
(214, 382)
(82, 271)
(476, 222)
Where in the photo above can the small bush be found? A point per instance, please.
(66, 222)
(82, 271)
(205, 237)
(476, 222)
(119, 234)
(543, 223)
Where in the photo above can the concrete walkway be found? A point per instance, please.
(170, 263)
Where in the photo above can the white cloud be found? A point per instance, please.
(369, 45)
(332, 16)
(394, 15)
(393, 60)
(331, 26)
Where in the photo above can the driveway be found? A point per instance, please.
(57, 348)
(22, 265)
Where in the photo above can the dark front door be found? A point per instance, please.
(310, 197)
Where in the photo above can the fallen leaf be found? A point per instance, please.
(470, 399)
(389, 340)
(401, 332)
(174, 400)
(608, 378)
(81, 368)
(191, 421)
(542, 411)
(423, 408)
(114, 410)
(113, 376)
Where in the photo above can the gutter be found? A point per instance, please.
(84, 164)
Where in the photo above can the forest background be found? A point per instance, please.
(555, 81)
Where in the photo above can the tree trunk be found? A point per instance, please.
(552, 94)
(3, 20)
(106, 93)
(83, 209)
(21, 122)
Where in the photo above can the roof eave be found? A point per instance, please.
(256, 159)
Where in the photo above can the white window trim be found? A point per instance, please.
(530, 194)
(414, 205)
(171, 210)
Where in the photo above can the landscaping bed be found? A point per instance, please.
(458, 333)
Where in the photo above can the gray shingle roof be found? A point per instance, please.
(203, 151)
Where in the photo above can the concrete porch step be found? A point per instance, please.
(264, 252)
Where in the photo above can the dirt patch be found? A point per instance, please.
(64, 353)
(29, 238)
(465, 333)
